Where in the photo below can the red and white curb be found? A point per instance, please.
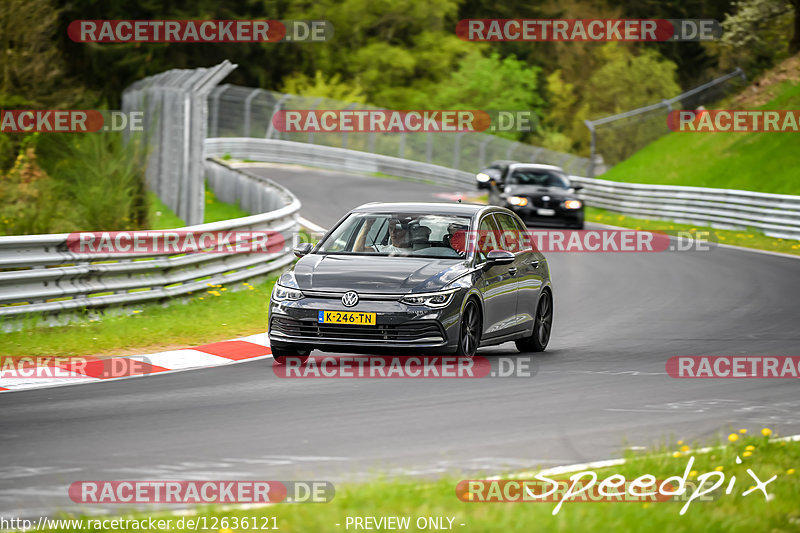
(96, 370)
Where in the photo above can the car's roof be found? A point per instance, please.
(503, 162)
(536, 166)
(434, 208)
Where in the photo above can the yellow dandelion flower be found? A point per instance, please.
(766, 432)
(693, 473)
(684, 448)
(742, 431)
(676, 454)
(747, 454)
(790, 471)
(733, 437)
(750, 448)
(719, 469)
(680, 442)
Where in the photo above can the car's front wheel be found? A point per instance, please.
(469, 335)
(280, 354)
(542, 326)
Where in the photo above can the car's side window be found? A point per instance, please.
(485, 243)
(511, 236)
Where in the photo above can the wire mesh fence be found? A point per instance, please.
(175, 118)
(617, 137)
(236, 111)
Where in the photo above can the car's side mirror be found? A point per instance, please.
(303, 248)
(499, 257)
(577, 187)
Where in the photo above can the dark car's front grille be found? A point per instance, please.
(536, 201)
(426, 331)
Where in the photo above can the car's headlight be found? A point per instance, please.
(281, 293)
(517, 200)
(430, 299)
(573, 204)
(483, 178)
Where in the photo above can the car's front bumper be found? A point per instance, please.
(561, 217)
(295, 324)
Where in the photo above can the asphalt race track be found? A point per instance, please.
(600, 386)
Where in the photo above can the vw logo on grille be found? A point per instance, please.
(546, 198)
(350, 298)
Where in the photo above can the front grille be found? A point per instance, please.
(421, 331)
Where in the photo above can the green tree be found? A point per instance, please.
(759, 34)
(321, 87)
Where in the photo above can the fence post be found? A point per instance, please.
(457, 151)
(247, 102)
(215, 109)
(482, 150)
(592, 130)
(278, 105)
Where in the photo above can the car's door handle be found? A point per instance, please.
(512, 270)
(535, 263)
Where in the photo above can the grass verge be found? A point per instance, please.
(763, 162)
(217, 313)
(719, 512)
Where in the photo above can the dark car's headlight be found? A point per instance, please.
(281, 293)
(430, 299)
(573, 204)
(517, 200)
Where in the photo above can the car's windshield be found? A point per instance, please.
(542, 178)
(384, 234)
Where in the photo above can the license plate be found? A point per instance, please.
(546, 212)
(346, 317)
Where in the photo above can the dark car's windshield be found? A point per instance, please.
(383, 234)
(541, 178)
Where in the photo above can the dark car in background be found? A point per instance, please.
(541, 195)
(493, 174)
(390, 275)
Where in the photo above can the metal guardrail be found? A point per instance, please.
(38, 273)
(776, 215)
(334, 158)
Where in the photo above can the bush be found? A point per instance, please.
(101, 176)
